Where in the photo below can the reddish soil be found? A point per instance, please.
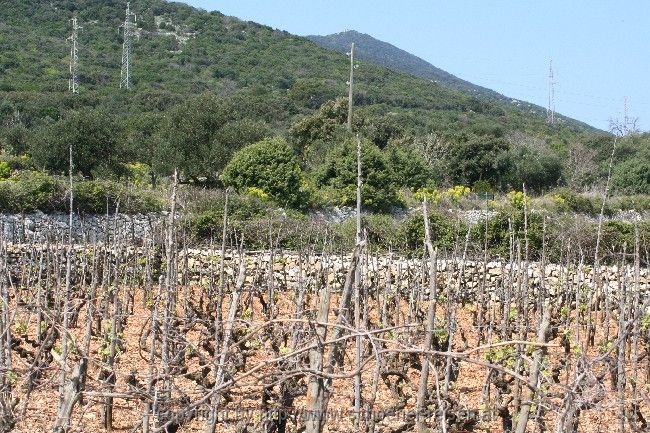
(40, 410)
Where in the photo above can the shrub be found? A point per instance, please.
(204, 211)
(30, 191)
(560, 202)
(457, 193)
(95, 196)
(482, 187)
(453, 195)
(270, 166)
(39, 191)
(138, 173)
(290, 231)
(16, 163)
(498, 232)
(442, 229)
(257, 192)
(197, 201)
(632, 176)
(205, 224)
(638, 203)
(141, 201)
(106, 196)
(432, 195)
(517, 199)
(380, 231)
(579, 203)
(616, 234)
(5, 170)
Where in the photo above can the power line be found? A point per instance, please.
(560, 93)
(129, 33)
(73, 83)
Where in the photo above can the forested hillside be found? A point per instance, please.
(206, 85)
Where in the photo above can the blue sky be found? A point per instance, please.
(600, 48)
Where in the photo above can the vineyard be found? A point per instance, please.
(250, 233)
(160, 337)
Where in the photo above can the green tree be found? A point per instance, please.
(96, 142)
(322, 125)
(539, 169)
(200, 136)
(632, 176)
(186, 137)
(269, 165)
(339, 174)
(141, 131)
(409, 167)
(311, 92)
(381, 130)
(477, 157)
(233, 136)
(16, 138)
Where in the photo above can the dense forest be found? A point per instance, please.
(236, 103)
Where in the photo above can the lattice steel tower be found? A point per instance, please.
(73, 83)
(350, 83)
(550, 112)
(129, 32)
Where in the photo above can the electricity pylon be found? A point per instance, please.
(73, 83)
(129, 32)
(550, 112)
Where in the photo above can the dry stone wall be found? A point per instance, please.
(469, 278)
(52, 227)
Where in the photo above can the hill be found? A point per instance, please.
(384, 54)
(181, 50)
(205, 85)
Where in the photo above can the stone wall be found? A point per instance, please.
(53, 227)
(199, 266)
(402, 272)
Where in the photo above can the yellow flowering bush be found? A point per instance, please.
(432, 195)
(457, 192)
(517, 199)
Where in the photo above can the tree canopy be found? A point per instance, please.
(270, 166)
(95, 137)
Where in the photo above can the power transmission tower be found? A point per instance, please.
(629, 123)
(129, 32)
(550, 112)
(352, 66)
(73, 83)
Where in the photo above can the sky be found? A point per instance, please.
(599, 48)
